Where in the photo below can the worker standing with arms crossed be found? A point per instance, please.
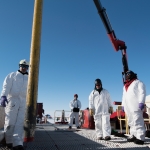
(75, 106)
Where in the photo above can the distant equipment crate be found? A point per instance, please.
(39, 109)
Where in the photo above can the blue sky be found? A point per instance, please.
(75, 49)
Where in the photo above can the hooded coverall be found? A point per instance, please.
(101, 103)
(131, 98)
(15, 89)
(74, 104)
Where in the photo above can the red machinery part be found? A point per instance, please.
(117, 44)
(88, 121)
(117, 103)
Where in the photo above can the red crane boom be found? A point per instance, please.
(117, 44)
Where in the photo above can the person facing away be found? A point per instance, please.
(133, 101)
(75, 106)
(13, 94)
(100, 106)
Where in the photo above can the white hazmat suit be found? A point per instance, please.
(131, 98)
(15, 89)
(101, 103)
(74, 104)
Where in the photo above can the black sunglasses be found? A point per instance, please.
(128, 73)
(24, 66)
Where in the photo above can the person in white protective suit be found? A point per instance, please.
(133, 101)
(75, 106)
(14, 95)
(100, 106)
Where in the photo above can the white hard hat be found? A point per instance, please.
(24, 62)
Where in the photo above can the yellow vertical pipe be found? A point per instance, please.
(32, 92)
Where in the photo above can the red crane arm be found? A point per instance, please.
(117, 44)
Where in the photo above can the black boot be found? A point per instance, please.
(9, 145)
(107, 138)
(3, 142)
(19, 147)
(140, 142)
(99, 138)
(70, 127)
(131, 138)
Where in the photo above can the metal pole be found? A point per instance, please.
(32, 92)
